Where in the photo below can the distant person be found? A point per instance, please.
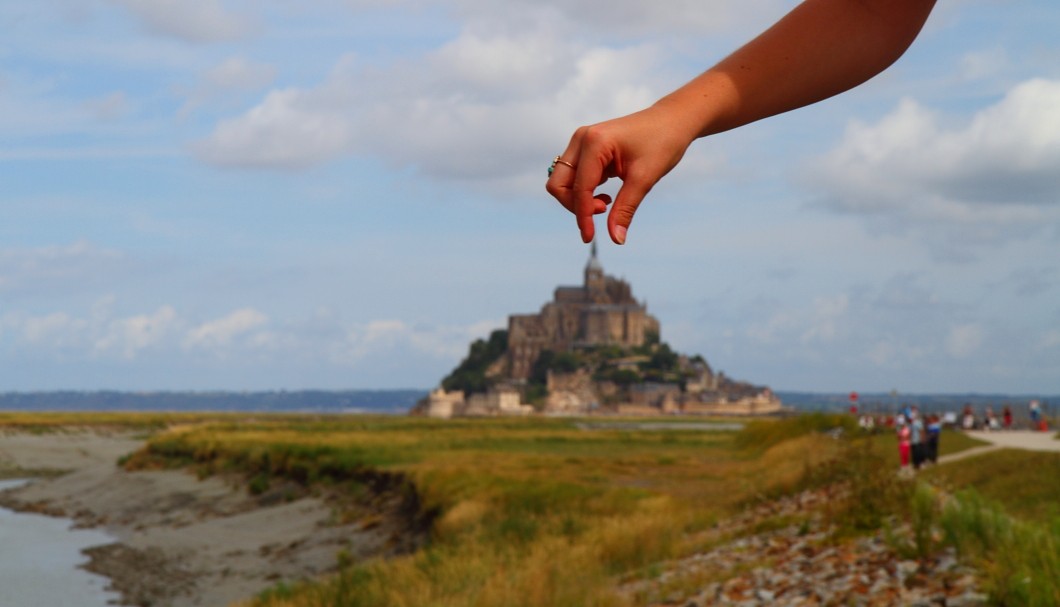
(916, 438)
(1006, 417)
(820, 49)
(968, 422)
(949, 419)
(990, 420)
(904, 441)
(1036, 415)
(934, 431)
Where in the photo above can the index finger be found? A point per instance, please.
(589, 175)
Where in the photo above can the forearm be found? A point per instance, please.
(820, 49)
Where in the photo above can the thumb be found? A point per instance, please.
(627, 200)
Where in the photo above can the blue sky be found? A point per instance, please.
(226, 194)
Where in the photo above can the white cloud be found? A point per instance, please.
(823, 321)
(480, 108)
(60, 267)
(487, 105)
(444, 342)
(57, 330)
(239, 73)
(224, 331)
(290, 129)
(623, 18)
(241, 337)
(999, 169)
(190, 20)
(128, 336)
(964, 340)
(983, 64)
(229, 79)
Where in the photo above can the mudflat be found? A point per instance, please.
(182, 541)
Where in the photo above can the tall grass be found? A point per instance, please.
(531, 513)
(67, 421)
(523, 513)
(1020, 560)
(867, 492)
(762, 434)
(538, 513)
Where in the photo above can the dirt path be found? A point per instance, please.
(1011, 439)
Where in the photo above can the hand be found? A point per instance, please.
(639, 149)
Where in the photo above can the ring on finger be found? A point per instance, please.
(555, 161)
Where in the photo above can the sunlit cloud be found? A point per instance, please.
(997, 170)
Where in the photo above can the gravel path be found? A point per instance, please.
(802, 565)
(1011, 439)
(1020, 439)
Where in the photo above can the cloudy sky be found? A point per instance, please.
(238, 194)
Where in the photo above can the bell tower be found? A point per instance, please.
(595, 283)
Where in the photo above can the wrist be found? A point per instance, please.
(705, 106)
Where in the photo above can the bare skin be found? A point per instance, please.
(819, 49)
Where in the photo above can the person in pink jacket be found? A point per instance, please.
(905, 441)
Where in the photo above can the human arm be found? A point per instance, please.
(819, 49)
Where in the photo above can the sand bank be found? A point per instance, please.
(182, 541)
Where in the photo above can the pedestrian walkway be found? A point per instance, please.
(1007, 439)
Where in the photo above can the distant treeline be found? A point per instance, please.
(884, 402)
(306, 401)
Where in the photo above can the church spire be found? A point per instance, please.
(594, 262)
(594, 272)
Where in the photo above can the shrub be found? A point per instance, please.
(1021, 561)
(762, 434)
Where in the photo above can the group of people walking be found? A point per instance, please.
(918, 438)
(918, 433)
(990, 421)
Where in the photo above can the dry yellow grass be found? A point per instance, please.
(531, 513)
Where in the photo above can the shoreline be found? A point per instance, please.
(184, 541)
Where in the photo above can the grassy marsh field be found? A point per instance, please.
(554, 512)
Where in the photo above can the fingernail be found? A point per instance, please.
(620, 234)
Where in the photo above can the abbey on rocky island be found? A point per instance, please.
(592, 349)
(601, 312)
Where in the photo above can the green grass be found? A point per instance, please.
(538, 512)
(1025, 483)
(761, 434)
(1020, 560)
(74, 421)
(526, 512)
(950, 442)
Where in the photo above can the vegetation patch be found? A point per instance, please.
(1025, 483)
(545, 512)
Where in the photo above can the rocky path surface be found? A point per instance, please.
(795, 560)
(801, 564)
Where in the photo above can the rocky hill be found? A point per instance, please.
(649, 378)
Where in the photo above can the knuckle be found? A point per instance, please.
(592, 135)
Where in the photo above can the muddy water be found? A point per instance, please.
(39, 559)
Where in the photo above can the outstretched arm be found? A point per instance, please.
(819, 49)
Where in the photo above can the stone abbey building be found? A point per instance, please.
(601, 312)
